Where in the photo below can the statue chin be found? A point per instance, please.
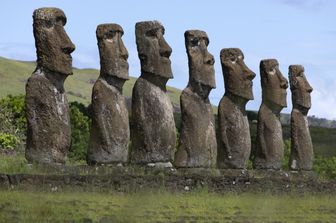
(246, 94)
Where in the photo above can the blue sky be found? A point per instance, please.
(292, 31)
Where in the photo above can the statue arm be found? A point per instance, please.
(224, 138)
(294, 135)
(261, 140)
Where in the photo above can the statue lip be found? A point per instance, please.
(68, 56)
(165, 59)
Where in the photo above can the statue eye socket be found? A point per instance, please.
(272, 71)
(60, 21)
(195, 42)
(206, 40)
(151, 33)
(49, 24)
(109, 35)
(233, 60)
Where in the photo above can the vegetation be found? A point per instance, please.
(12, 124)
(80, 131)
(13, 129)
(160, 206)
(326, 167)
(8, 141)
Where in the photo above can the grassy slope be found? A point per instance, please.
(161, 206)
(13, 75)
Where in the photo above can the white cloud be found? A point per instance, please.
(311, 5)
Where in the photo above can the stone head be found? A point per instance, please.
(153, 50)
(201, 62)
(273, 83)
(53, 46)
(237, 76)
(112, 51)
(300, 87)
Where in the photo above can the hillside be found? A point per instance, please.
(13, 76)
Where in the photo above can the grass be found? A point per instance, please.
(160, 206)
(78, 86)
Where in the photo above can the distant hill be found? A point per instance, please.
(14, 74)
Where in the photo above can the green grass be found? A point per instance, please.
(13, 76)
(159, 206)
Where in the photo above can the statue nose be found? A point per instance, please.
(69, 49)
(249, 73)
(310, 89)
(209, 59)
(123, 51)
(284, 83)
(68, 46)
(165, 50)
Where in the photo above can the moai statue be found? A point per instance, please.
(110, 134)
(302, 154)
(235, 142)
(197, 146)
(270, 147)
(47, 110)
(153, 132)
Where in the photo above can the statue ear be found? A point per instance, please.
(294, 83)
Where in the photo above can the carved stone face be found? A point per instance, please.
(201, 62)
(299, 86)
(273, 83)
(153, 50)
(53, 46)
(237, 76)
(113, 54)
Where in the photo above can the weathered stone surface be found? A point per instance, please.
(130, 179)
(110, 133)
(302, 154)
(153, 130)
(270, 147)
(197, 146)
(235, 142)
(153, 50)
(47, 110)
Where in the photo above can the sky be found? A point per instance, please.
(291, 31)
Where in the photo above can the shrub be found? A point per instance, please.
(325, 166)
(13, 126)
(12, 123)
(287, 151)
(15, 105)
(80, 132)
(8, 141)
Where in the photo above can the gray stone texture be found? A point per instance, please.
(235, 142)
(197, 145)
(302, 154)
(47, 110)
(110, 133)
(270, 147)
(153, 131)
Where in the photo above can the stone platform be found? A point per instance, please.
(135, 178)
